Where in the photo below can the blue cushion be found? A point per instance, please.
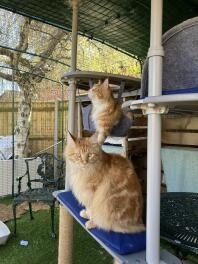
(117, 242)
(180, 91)
(177, 91)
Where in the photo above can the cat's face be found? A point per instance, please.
(100, 91)
(83, 151)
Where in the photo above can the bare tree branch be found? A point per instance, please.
(23, 41)
(24, 62)
(50, 48)
(5, 76)
(24, 33)
(95, 45)
(41, 31)
(6, 52)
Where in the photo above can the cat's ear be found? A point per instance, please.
(71, 140)
(94, 138)
(106, 83)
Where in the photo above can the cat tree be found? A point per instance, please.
(154, 142)
(66, 220)
(118, 32)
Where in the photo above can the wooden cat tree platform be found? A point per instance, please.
(124, 88)
(86, 78)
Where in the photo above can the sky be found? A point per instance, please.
(6, 85)
(9, 28)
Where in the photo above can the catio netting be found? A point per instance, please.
(32, 106)
(46, 134)
(121, 24)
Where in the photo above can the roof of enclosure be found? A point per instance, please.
(123, 24)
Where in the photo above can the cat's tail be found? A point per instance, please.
(136, 228)
(131, 229)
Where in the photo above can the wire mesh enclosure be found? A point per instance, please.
(46, 131)
(33, 106)
(111, 22)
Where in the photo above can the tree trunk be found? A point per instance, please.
(22, 128)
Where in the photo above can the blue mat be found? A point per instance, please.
(117, 242)
(176, 91)
(180, 91)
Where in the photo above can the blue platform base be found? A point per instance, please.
(116, 250)
(118, 242)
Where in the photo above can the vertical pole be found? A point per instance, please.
(79, 120)
(62, 120)
(13, 125)
(72, 83)
(155, 55)
(56, 121)
(65, 220)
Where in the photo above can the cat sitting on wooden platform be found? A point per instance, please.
(106, 184)
(106, 111)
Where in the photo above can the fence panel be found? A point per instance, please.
(41, 136)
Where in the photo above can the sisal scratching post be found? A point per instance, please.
(65, 237)
(65, 219)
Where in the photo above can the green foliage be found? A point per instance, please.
(43, 249)
(94, 56)
(6, 200)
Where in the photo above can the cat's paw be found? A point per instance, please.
(90, 224)
(83, 214)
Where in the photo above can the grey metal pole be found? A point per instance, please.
(66, 220)
(13, 137)
(56, 123)
(72, 84)
(155, 55)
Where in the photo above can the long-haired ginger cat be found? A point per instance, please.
(106, 110)
(106, 184)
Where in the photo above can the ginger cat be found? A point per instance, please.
(106, 184)
(106, 110)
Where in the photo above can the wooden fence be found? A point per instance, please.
(43, 119)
